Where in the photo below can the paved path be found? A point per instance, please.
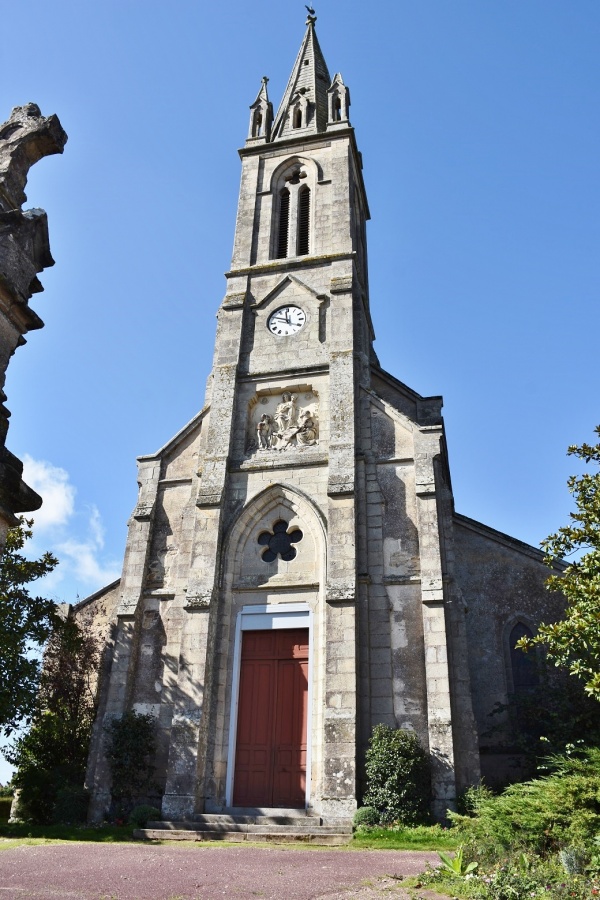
(149, 872)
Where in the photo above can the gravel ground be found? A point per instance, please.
(151, 872)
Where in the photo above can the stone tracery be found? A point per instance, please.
(279, 542)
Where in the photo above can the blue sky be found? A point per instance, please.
(478, 123)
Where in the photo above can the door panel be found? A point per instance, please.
(270, 762)
(254, 764)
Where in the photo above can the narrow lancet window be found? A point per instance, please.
(298, 118)
(337, 110)
(524, 669)
(303, 220)
(284, 224)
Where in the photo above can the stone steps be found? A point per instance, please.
(276, 826)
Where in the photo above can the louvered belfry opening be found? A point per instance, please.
(303, 220)
(284, 224)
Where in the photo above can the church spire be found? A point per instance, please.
(261, 115)
(304, 108)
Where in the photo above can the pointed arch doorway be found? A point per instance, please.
(269, 748)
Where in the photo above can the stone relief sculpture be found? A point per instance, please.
(286, 413)
(287, 426)
(264, 432)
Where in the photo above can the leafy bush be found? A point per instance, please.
(518, 878)
(398, 776)
(366, 815)
(560, 810)
(471, 798)
(141, 815)
(536, 839)
(5, 805)
(71, 805)
(131, 747)
(8, 789)
(50, 756)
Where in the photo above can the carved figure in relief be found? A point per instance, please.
(286, 426)
(264, 432)
(286, 414)
(307, 433)
(304, 433)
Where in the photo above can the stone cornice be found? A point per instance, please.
(289, 264)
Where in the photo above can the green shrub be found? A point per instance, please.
(544, 815)
(5, 805)
(71, 805)
(366, 815)
(470, 800)
(130, 748)
(398, 776)
(8, 789)
(141, 815)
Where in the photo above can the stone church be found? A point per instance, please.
(295, 572)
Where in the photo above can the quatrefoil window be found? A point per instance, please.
(279, 542)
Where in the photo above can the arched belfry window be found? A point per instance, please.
(292, 210)
(523, 665)
(284, 224)
(337, 109)
(297, 122)
(303, 220)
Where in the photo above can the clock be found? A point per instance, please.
(286, 320)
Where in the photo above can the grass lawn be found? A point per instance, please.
(105, 833)
(422, 837)
(396, 838)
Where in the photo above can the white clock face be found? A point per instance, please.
(286, 320)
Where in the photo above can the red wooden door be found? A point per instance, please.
(270, 757)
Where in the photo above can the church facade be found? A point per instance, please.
(295, 572)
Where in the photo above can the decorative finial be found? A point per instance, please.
(312, 18)
(265, 80)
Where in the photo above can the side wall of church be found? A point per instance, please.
(503, 583)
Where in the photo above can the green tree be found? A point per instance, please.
(25, 623)
(574, 641)
(51, 756)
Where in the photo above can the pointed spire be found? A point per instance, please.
(338, 103)
(304, 108)
(261, 115)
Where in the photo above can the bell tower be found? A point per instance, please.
(293, 344)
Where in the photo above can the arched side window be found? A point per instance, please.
(297, 123)
(523, 665)
(303, 220)
(337, 109)
(284, 224)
